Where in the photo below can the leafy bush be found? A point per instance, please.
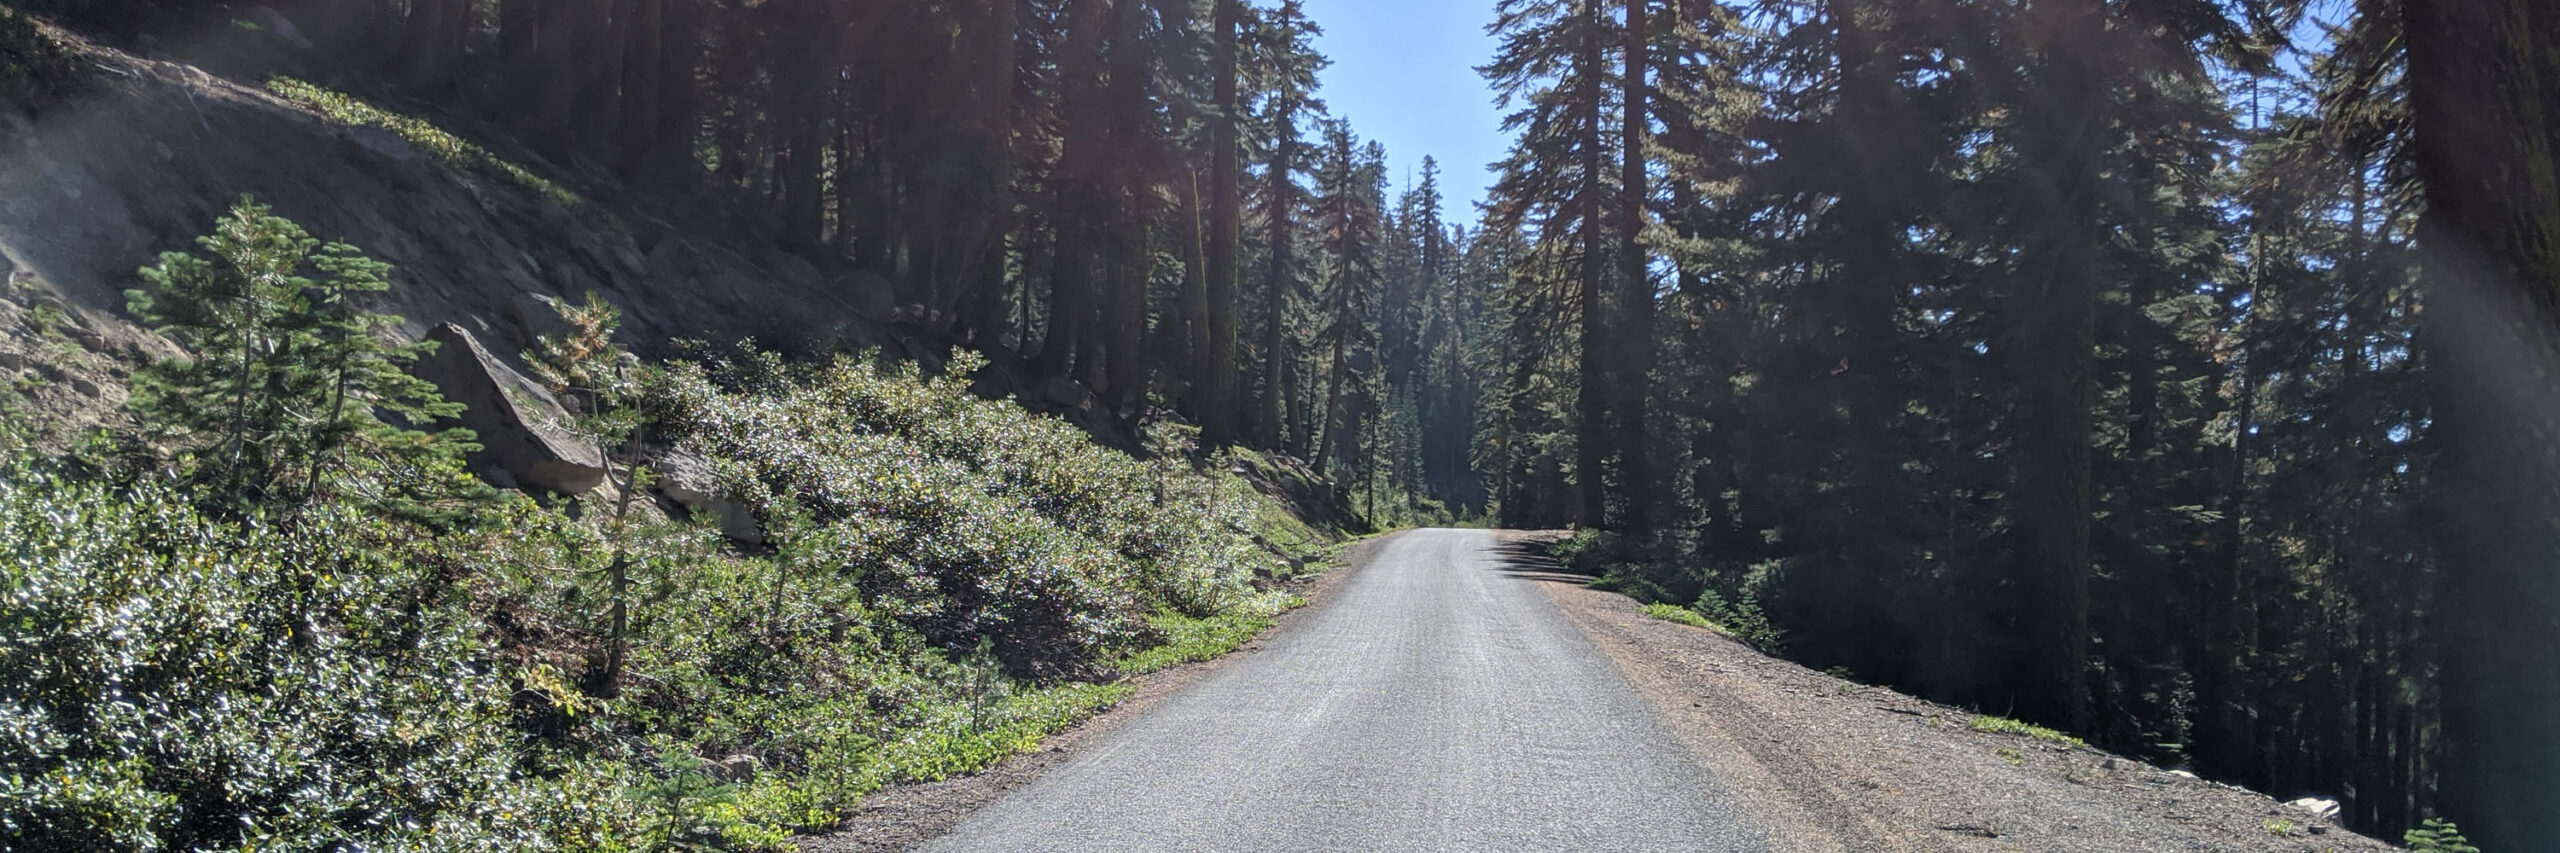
(1187, 534)
(1189, 639)
(917, 567)
(222, 659)
(2438, 835)
(1743, 621)
(1652, 575)
(765, 697)
(965, 518)
(179, 683)
(1644, 571)
(1682, 615)
(2007, 726)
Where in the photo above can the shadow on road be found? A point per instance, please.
(1532, 558)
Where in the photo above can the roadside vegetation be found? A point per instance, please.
(2436, 835)
(2007, 726)
(1670, 591)
(280, 614)
(1684, 616)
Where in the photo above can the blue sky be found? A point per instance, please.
(1404, 74)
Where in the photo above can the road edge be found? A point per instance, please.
(905, 817)
(1957, 789)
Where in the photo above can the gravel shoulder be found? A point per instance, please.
(1832, 765)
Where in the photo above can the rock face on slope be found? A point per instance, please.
(145, 154)
(522, 429)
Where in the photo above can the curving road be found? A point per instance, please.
(1433, 703)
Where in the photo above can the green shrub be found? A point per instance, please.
(181, 683)
(215, 658)
(278, 402)
(1743, 621)
(2438, 835)
(1652, 574)
(1684, 616)
(1191, 639)
(966, 519)
(2007, 726)
(1591, 552)
(1188, 534)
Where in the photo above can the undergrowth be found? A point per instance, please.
(1669, 584)
(2438, 835)
(1190, 639)
(1684, 616)
(446, 148)
(2006, 726)
(947, 580)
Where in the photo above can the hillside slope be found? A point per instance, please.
(134, 156)
(857, 572)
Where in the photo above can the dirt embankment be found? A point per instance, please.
(1833, 765)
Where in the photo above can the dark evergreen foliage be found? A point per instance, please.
(2118, 365)
(290, 391)
(2068, 359)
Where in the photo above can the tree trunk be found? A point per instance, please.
(983, 307)
(435, 29)
(643, 99)
(517, 44)
(1327, 437)
(1217, 363)
(600, 92)
(806, 92)
(1124, 377)
(1277, 387)
(1859, 327)
(2053, 474)
(2484, 88)
(1071, 297)
(1294, 397)
(1592, 399)
(1634, 365)
(1195, 354)
(565, 29)
(672, 159)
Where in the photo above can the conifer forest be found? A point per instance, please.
(2183, 375)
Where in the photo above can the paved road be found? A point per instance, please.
(1434, 703)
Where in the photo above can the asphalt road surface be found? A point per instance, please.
(1435, 702)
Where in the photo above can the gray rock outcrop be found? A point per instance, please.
(522, 429)
(693, 483)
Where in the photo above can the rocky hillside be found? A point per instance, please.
(116, 156)
(257, 617)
